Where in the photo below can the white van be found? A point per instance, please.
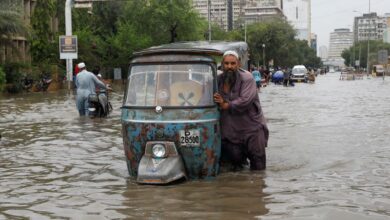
(299, 73)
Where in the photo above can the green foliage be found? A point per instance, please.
(111, 31)
(125, 43)
(360, 50)
(87, 46)
(217, 33)
(280, 44)
(165, 21)
(14, 73)
(44, 44)
(109, 35)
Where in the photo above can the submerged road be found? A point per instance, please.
(328, 158)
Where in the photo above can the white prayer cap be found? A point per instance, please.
(231, 52)
(99, 75)
(81, 65)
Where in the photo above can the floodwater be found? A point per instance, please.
(328, 158)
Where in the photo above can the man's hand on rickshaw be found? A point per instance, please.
(220, 101)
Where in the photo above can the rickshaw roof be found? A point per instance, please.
(195, 47)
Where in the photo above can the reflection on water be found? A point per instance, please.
(328, 158)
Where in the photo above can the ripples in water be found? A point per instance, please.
(328, 158)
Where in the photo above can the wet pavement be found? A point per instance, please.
(328, 158)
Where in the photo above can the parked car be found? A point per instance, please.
(299, 73)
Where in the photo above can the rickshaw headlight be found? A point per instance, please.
(158, 150)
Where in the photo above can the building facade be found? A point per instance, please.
(369, 27)
(298, 13)
(340, 39)
(20, 50)
(313, 42)
(386, 32)
(224, 13)
(229, 14)
(261, 10)
(323, 52)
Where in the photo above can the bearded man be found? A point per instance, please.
(243, 126)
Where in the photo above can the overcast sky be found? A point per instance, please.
(328, 15)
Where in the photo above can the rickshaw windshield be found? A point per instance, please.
(170, 85)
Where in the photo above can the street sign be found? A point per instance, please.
(357, 62)
(117, 73)
(68, 47)
(83, 4)
(383, 57)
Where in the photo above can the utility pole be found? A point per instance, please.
(230, 15)
(369, 37)
(354, 56)
(369, 6)
(351, 56)
(360, 52)
(68, 32)
(263, 55)
(245, 30)
(209, 17)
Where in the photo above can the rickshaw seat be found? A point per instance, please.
(185, 93)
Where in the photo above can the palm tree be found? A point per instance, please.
(11, 25)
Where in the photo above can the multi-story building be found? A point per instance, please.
(229, 14)
(386, 32)
(313, 41)
(323, 52)
(225, 13)
(369, 27)
(298, 13)
(340, 39)
(260, 10)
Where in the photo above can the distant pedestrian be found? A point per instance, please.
(257, 76)
(286, 77)
(76, 71)
(267, 75)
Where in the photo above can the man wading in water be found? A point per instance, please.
(243, 127)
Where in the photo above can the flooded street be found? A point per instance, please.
(328, 158)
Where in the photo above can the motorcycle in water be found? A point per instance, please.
(99, 106)
(27, 83)
(43, 83)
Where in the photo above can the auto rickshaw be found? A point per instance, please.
(170, 124)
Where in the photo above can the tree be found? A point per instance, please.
(278, 36)
(165, 21)
(11, 25)
(360, 48)
(44, 45)
(121, 46)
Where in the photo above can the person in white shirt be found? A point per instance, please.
(86, 83)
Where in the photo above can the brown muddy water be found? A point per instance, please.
(328, 158)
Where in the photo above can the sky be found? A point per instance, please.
(328, 15)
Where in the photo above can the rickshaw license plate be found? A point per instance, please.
(189, 138)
